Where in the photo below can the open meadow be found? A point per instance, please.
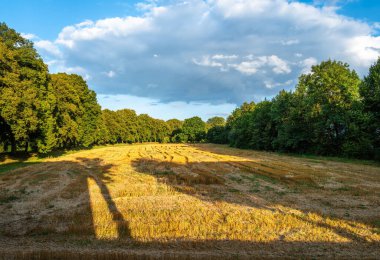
(183, 201)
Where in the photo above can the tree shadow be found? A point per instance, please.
(48, 184)
(191, 178)
(97, 171)
(204, 180)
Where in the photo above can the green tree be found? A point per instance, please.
(329, 91)
(216, 121)
(23, 88)
(194, 128)
(75, 110)
(237, 125)
(261, 130)
(217, 135)
(293, 133)
(370, 93)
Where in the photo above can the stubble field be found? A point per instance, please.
(187, 201)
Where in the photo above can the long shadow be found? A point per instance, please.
(75, 175)
(97, 171)
(194, 184)
(202, 184)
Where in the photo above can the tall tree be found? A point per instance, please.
(237, 125)
(23, 88)
(194, 128)
(370, 92)
(75, 110)
(329, 91)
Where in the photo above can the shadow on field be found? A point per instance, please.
(69, 180)
(39, 186)
(201, 180)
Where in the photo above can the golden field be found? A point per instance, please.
(188, 201)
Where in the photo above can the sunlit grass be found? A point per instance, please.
(168, 193)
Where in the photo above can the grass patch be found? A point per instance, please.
(168, 172)
(14, 165)
(321, 159)
(8, 199)
(256, 177)
(236, 179)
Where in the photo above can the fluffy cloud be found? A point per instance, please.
(215, 51)
(48, 48)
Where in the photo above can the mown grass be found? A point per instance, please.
(14, 165)
(321, 159)
(167, 193)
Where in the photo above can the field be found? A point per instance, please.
(184, 201)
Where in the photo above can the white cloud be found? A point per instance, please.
(48, 47)
(29, 36)
(210, 51)
(270, 84)
(207, 62)
(253, 64)
(248, 67)
(306, 64)
(279, 66)
(110, 74)
(290, 42)
(100, 30)
(363, 49)
(224, 57)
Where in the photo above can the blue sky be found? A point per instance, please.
(178, 59)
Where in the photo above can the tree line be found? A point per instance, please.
(330, 112)
(43, 112)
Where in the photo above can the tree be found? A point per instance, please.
(23, 88)
(194, 128)
(370, 93)
(216, 121)
(75, 110)
(237, 125)
(217, 135)
(112, 126)
(329, 91)
(288, 116)
(261, 130)
(216, 130)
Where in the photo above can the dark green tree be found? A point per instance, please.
(370, 93)
(216, 121)
(75, 110)
(194, 128)
(23, 87)
(237, 125)
(329, 91)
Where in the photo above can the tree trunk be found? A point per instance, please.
(13, 146)
(26, 147)
(5, 147)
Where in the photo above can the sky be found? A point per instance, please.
(177, 59)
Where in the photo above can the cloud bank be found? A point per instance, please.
(215, 52)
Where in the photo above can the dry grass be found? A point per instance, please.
(170, 198)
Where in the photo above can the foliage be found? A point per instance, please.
(215, 121)
(23, 87)
(325, 115)
(194, 128)
(370, 92)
